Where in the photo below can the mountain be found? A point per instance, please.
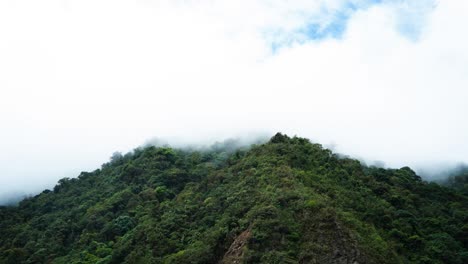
(458, 179)
(285, 201)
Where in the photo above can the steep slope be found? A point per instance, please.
(285, 201)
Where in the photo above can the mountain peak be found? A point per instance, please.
(284, 201)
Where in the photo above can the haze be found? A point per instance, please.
(378, 80)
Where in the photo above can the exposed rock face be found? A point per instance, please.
(337, 246)
(235, 253)
(344, 247)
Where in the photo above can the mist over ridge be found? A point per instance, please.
(287, 200)
(429, 172)
(379, 81)
(247, 131)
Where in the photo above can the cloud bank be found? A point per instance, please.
(378, 80)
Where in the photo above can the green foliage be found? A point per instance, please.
(458, 179)
(285, 201)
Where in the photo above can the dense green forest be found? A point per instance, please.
(285, 201)
(457, 179)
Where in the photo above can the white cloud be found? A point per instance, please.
(81, 79)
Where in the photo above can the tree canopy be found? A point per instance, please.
(285, 201)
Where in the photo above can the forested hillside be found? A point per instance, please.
(458, 179)
(285, 201)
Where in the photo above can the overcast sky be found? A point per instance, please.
(80, 79)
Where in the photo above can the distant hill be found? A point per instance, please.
(284, 201)
(458, 179)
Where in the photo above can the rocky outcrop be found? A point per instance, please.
(235, 253)
(335, 245)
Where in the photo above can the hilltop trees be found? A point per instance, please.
(285, 201)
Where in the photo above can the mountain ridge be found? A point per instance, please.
(285, 201)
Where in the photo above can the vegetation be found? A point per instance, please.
(458, 179)
(285, 201)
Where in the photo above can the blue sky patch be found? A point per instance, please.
(333, 23)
